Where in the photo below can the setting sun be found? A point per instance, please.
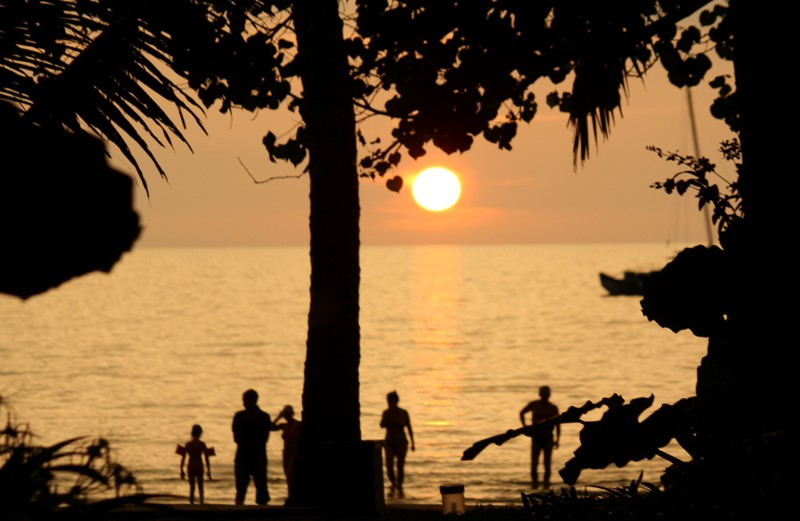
(436, 189)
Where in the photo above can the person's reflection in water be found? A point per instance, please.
(251, 428)
(542, 440)
(396, 420)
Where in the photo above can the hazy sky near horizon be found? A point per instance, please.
(531, 194)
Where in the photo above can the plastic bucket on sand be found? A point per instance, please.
(453, 498)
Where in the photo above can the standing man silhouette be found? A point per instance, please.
(251, 428)
(542, 440)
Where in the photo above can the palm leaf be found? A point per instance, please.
(96, 66)
(93, 474)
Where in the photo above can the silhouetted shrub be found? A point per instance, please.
(73, 479)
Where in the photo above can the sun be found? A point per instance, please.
(436, 189)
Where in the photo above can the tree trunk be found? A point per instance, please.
(745, 384)
(331, 414)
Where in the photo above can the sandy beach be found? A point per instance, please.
(169, 512)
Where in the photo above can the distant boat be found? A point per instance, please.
(631, 283)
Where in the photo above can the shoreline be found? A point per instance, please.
(221, 512)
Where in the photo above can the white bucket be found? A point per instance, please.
(453, 498)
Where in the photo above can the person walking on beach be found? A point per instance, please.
(196, 450)
(395, 445)
(251, 428)
(542, 440)
(290, 428)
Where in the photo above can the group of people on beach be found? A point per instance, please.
(252, 427)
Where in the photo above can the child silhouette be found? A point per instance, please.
(197, 451)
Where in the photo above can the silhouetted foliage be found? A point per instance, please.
(617, 438)
(725, 201)
(98, 65)
(64, 211)
(74, 479)
(693, 291)
(720, 498)
(448, 71)
(750, 480)
(75, 70)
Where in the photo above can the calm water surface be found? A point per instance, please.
(466, 335)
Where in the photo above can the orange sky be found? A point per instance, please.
(531, 194)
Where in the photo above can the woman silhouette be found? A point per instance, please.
(290, 427)
(396, 420)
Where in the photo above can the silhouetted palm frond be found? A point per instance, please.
(95, 65)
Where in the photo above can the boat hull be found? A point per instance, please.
(632, 283)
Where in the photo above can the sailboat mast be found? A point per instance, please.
(707, 217)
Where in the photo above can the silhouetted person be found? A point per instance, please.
(251, 428)
(542, 440)
(197, 451)
(396, 420)
(290, 428)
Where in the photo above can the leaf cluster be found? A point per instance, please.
(292, 150)
(618, 438)
(697, 177)
(444, 72)
(741, 483)
(693, 291)
(449, 71)
(379, 160)
(235, 53)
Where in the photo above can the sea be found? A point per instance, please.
(466, 335)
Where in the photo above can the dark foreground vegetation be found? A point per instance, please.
(74, 479)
